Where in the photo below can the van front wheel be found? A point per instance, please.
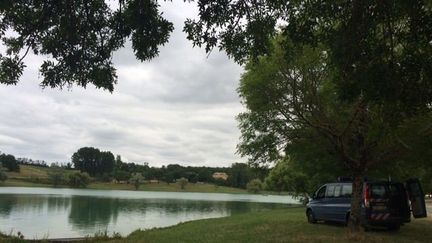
(310, 217)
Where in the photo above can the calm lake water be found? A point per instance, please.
(60, 213)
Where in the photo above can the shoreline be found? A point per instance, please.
(161, 187)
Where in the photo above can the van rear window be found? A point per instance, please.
(378, 191)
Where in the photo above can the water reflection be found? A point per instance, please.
(92, 211)
(41, 215)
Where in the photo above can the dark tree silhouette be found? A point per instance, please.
(79, 37)
(93, 161)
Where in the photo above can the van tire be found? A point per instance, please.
(310, 217)
(347, 219)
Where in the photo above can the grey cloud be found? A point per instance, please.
(178, 108)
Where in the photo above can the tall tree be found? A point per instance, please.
(239, 175)
(377, 56)
(79, 37)
(93, 161)
(292, 99)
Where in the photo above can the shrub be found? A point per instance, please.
(56, 177)
(254, 186)
(182, 182)
(3, 176)
(78, 179)
(136, 180)
(120, 175)
(105, 177)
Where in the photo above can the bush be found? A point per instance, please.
(136, 180)
(3, 176)
(120, 175)
(182, 182)
(105, 177)
(78, 179)
(56, 177)
(254, 186)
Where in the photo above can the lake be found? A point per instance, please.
(61, 213)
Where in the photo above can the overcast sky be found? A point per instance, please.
(178, 108)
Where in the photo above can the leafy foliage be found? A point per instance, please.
(3, 176)
(120, 175)
(78, 179)
(56, 177)
(284, 177)
(379, 50)
(136, 180)
(182, 182)
(239, 175)
(254, 186)
(293, 100)
(9, 162)
(93, 161)
(79, 37)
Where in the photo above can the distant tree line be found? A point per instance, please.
(104, 166)
(95, 164)
(28, 161)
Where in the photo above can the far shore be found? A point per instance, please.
(171, 187)
(156, 187)
(31, 176)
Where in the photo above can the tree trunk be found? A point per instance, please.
(355, 221)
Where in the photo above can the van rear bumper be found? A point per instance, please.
(385, 220)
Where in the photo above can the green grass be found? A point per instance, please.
(172, 187)
(288, 225)
(28, 171)
(22, 183)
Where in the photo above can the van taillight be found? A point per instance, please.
(366, 196)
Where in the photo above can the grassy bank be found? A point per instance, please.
(33, 176)
(172, 187)
(287, 225)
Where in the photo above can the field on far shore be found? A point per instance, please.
(34, 176)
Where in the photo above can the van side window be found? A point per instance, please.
(321, 192)
(346, 190)
(330, 191)
(337, 191)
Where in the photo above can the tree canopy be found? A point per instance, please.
(9, 162)
(293, 107)
(366, 72)
(351, 76)
(77, 38)
(380, 50)
(93, 161)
